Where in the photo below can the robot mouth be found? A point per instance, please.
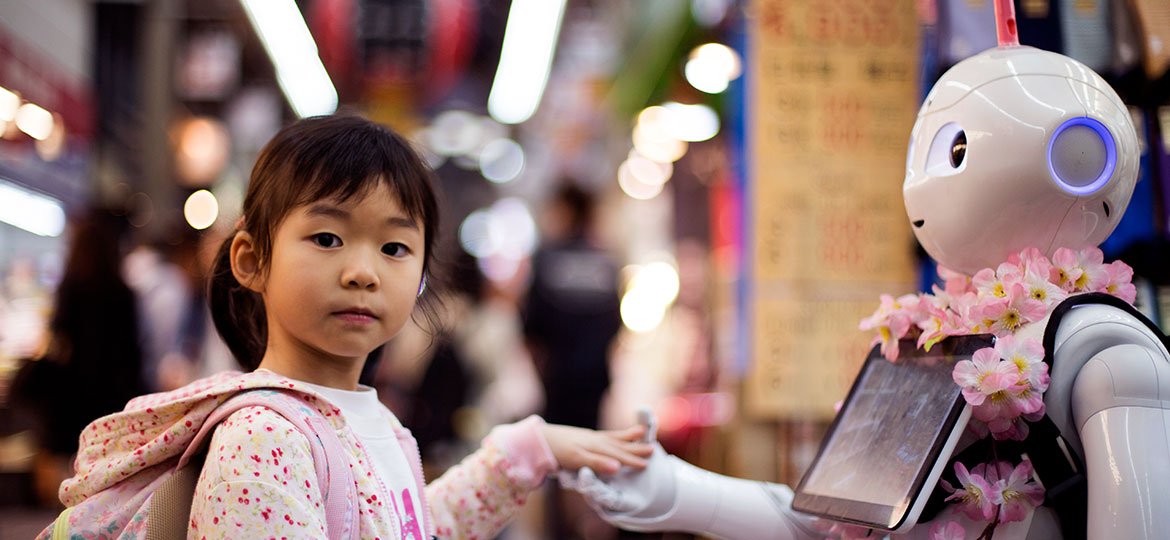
(919, 223)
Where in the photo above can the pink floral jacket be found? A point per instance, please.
(266, 491)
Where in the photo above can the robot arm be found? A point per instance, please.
(1123, 420)
(685, 498)
(1111, 386)
(673, 495)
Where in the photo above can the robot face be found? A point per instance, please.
(1016, 148)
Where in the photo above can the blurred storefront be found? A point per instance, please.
(46, 125)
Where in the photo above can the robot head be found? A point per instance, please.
(1018, 147)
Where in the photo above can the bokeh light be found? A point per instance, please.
(201, 209)
(692, 123)
(640, 311)
(712, 66)
(204, 147)
(651, 290)
(635, 188)
(501, 160)
(505, 229)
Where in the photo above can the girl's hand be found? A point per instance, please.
(602, 451)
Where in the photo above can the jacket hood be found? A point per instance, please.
(155, 429)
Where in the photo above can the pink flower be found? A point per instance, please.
(1009, 429)
(1006, 315)
(966, 320)
(1015, 493)
(1039, 287)
(987, 284)
(937, 322)
(1118, 278)
(1035, 416)
(892, 321)
(1081, 271)
(1026, 400)
(947, 531)
(1031, 260)
(985, 376)
(999, 406)
(996, 283)
(1065, 271)
(978, 429)
(1028, 357)
(975, 495)
(994, 389)
(956, 283)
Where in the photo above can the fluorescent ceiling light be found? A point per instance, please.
(33, 212)
(9, 103)
(299, 71)
(34, 121)
(530, 40)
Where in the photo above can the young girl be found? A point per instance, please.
(328, 264)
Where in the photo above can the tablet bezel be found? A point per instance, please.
(902, 517)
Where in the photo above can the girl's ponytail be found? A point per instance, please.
(237, 311)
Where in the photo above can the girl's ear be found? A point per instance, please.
(246, 262)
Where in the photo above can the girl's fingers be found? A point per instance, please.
(610, 447)
(611, 463)
(640, 450)
(625, 457)
(632, 433)
(603, 464)
(635, 447)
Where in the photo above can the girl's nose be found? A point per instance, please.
(359, 274)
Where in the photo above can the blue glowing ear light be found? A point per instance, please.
(1110, 155)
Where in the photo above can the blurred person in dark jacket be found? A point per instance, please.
(93, 363)
(572, 311)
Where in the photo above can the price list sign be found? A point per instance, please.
(833, 99)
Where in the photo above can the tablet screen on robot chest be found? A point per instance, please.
(883, 454)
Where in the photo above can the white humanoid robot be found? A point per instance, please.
(1014, 147)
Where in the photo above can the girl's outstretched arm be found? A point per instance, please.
(602, 451)
(480, 495)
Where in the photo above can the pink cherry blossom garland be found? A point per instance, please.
(1004, 384)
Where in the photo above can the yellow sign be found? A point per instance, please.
(834, 95)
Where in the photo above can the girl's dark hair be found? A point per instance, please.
(324, 157)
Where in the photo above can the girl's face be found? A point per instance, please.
(343, 276)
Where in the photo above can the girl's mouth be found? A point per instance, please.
(357, 316)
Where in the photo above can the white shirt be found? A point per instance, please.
(374, 426)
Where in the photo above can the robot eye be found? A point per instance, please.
(947, 154)
(959, 149)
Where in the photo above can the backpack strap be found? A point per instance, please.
(1071, 302)
(330, 459)
(61, 525)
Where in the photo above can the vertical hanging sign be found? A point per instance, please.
(833, 95)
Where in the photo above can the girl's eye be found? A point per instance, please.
(327, 240)
(395, 249)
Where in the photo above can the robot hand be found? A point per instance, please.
(627, 498)
(673, 495)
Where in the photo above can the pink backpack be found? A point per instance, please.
(155, 503)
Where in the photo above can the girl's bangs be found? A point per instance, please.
(355, 167)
